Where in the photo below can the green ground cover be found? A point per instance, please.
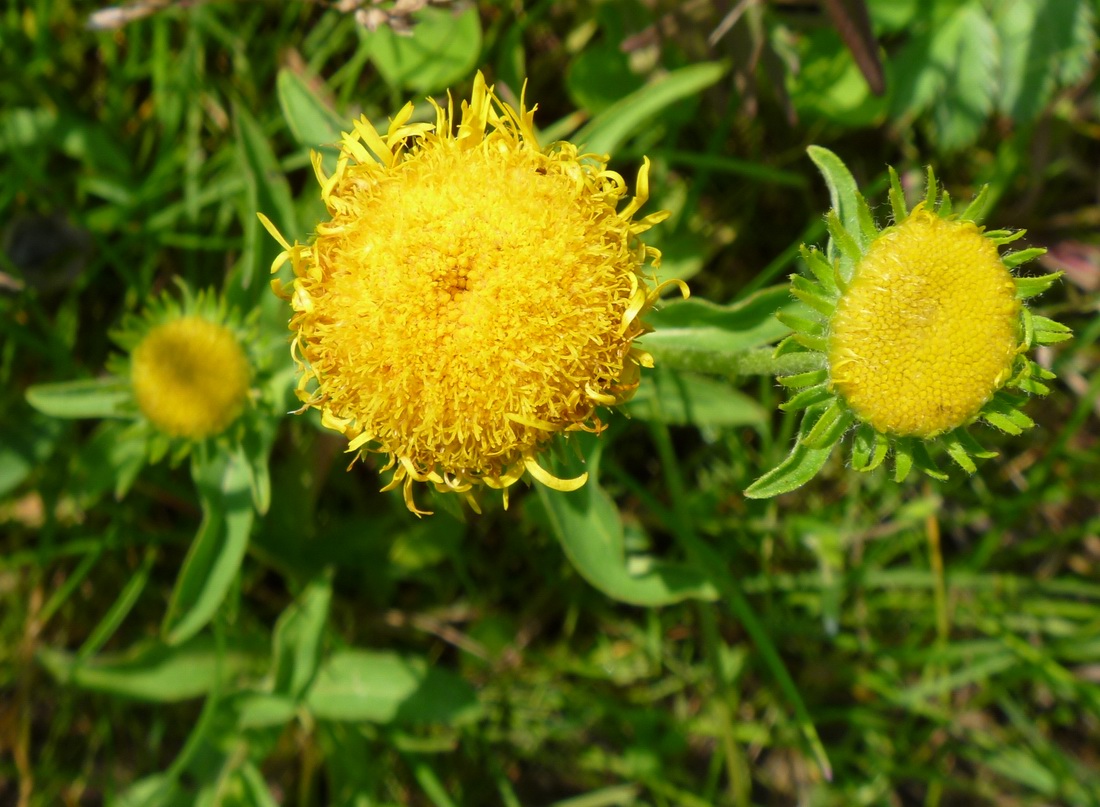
(256, 626)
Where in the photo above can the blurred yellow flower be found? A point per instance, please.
(473, 295)
(190, 377)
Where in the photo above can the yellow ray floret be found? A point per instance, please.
(472, 295)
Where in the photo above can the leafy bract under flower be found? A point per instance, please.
(472, 296)
(919, 332)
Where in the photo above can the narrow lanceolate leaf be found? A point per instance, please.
(1027, 287)
(972, 446)
(297, 639)
(903, 459)
(868, 231)
(812, 295)
(813, 327)
(979, 207)
(823, 269)
(215, 556)
(800, 466)
(830, 427)
(862, 446)
(815, 343)
(960, 455)
(1014, 259)
(808, 397)
(944, 207)
(1002, 237)
(843, 239)
(93, 398)
(925, 462)
(1003, 414)
(1048, 332)
(897, 198)
(843, 191)
(804, 379)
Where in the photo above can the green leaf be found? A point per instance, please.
(829, 84)
(382, 687)
(830, 427)
(154, 671)
(111, 459)
(312, 121)
(863, 443)
(964, 51)
(800, 466)
(703, 326)
(609, 130)
(822, 268)
(979, 206)
(27, 439)
(1014, 259)
(600, 75)
(122, 606)
(903, 459)
(588, 526)
(924, 461)
(215, 556)
(683, 399)
(268, 193)
(1027, 287)
(807, 379)
(959, 454)
(443, 49)
(843, 191)
(108, 397)
(1044, 44)
(1049, 331)
(297, 638)
(254, 455)
(808, 397)
(898, 207)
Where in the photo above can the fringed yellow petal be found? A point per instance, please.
(551, 481)
(369, 135)
(273, 231)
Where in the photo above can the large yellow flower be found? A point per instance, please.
(473, 295)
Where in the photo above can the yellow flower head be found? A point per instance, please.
(917, 331)
(473, 295)
(927, 330)
(190, 377)
(188, 368)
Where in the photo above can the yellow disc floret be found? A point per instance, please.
(472, 296)
(190, 377)
(927, 330)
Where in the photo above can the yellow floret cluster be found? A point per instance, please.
(927, 331)
(190, 377)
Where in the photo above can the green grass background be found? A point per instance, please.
(857, 642)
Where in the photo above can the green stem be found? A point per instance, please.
(704, 557)
(761, 361)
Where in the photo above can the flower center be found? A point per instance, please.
(928, 328)
(190, 377)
